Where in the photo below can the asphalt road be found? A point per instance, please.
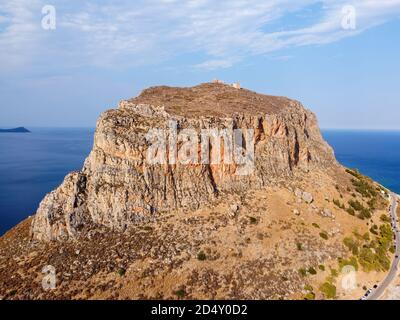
(376, 293)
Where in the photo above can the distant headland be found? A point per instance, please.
(17, 130)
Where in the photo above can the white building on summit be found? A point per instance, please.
(235, 85)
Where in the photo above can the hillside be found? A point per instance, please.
(280, 225)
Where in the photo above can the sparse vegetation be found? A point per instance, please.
(351, 211)
(371, 254)
(253, 220)
(334, 273)
(309, 296)
(363, 213)
(180, 293)
(323, 235)
(356, 205)
(303, 272)
(312, 271)
(308, 288)
(352, 245)
(201, 256)
(328, 289)
(374, 229)
(363, 185)
(348, 262)
(121, 272)
(338, 204)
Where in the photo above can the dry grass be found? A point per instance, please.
(211, 99)
(244, 260)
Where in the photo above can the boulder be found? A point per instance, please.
(307, 197)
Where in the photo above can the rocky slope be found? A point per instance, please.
(117, 187)
(124, 228)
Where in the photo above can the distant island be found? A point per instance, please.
(17, 130)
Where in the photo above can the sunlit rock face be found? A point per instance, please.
(118, 186)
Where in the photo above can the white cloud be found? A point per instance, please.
(122, 32)
(18, 32)
(214, 64)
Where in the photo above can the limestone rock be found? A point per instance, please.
(298, 193)
(327, 213)
(118, 188)
(303, 196)
(307, 197)
(233, 210)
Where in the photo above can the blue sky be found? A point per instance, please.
(105, 51)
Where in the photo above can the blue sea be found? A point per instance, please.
(375, 153)
(33, 164)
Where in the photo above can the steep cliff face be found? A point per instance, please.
(119, 187)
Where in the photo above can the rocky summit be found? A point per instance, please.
(204, 192)
(117, 187)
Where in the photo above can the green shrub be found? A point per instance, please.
(370, 254)
(354, 173)
(351, 244)
(365, 214)
(321, 267)
(312, 271)
(253, 220)
(121, 272)
(334, 273)
(364, 187)
(356, 205)
(328, 289)
(309, 296)
(386, 233)
(307, 287)
(302, 272)
(337, 203)
(201, 256)
(372, 204)
(323, 235)
(374, 229)
(180, 293)
(348, 262)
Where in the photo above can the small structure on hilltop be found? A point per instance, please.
(218, 81)
(236, 85)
